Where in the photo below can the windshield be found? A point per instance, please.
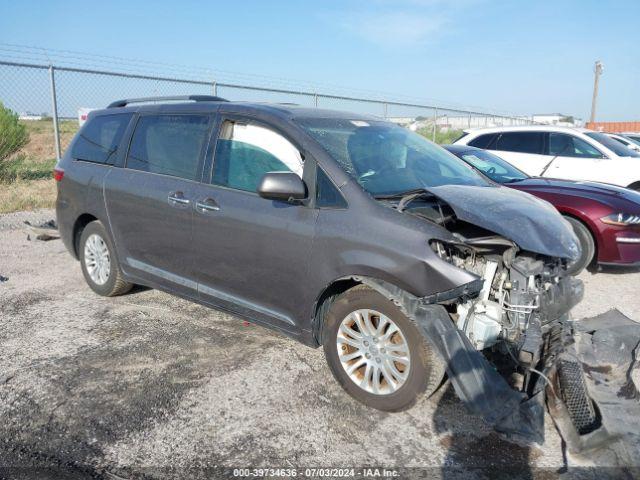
(387, 159)
(613, 145)
(492, 166)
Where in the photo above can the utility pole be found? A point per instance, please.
(597, 70)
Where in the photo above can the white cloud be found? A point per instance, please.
(398, 23)
(393, 28)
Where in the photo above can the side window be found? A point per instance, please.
(169, 144)
(327, 194)
(98, 140)
(563, 145)
(486, 141)
(245, 152)
(521, 142)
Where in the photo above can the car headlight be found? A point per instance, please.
(621, 219)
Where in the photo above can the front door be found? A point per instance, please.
(252, 254)
(150, 200)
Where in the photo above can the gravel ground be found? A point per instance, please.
(149, 385)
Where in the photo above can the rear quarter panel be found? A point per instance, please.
(79, 192)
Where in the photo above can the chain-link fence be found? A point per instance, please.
(47, 93)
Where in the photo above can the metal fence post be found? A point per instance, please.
(385, 107)
(54, 107)
(315, 99)
(214, 88)
(435, 123)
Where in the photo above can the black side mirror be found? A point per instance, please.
(282, 186)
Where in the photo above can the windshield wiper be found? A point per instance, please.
(513, 180)
(406, 197)
(400, 195)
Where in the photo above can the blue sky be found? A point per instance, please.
(516, 56)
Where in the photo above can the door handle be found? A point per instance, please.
(207, 205)
(177, 198)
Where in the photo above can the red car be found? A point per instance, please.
(606, 218)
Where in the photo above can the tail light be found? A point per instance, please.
(58, 173)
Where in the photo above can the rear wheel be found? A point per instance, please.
(376, 353)
(99, 264)
(586, 243)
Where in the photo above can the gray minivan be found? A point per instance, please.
(340, 230)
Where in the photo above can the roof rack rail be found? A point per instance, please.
(195, 98)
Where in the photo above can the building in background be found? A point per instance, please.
(32, 116)
(461, 122)
(558, 119)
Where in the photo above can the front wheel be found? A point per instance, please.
(99, 265)
(377, 353)
(587, 245)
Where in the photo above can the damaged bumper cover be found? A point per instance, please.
(598, 357)
(569, 377)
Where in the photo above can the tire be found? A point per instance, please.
(423, 372)
(586, 242)
(96, 246)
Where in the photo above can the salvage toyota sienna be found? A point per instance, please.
(342, 231)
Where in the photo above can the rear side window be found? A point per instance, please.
(327, 194)
(563, 145)
(245, 152)
(98, 140)
(521, 142)
(486, 141)
(169, 144)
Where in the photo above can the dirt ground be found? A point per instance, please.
(151, 386)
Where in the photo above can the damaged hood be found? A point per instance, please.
(533, 224)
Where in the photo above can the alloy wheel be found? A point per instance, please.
(96, 259)
(373, 351)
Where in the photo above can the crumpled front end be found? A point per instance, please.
(519, 321)
(505, 333)
(510, 348)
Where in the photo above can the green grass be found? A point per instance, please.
(26, 183)
(442, 137)
(26, 179)
(22, 167)
(46, 126)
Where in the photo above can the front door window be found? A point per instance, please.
(245, 152)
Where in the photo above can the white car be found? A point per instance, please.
(624, 140)
(560, 152)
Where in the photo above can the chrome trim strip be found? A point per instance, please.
(627, 239)
(225, 297)
(158, 272)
